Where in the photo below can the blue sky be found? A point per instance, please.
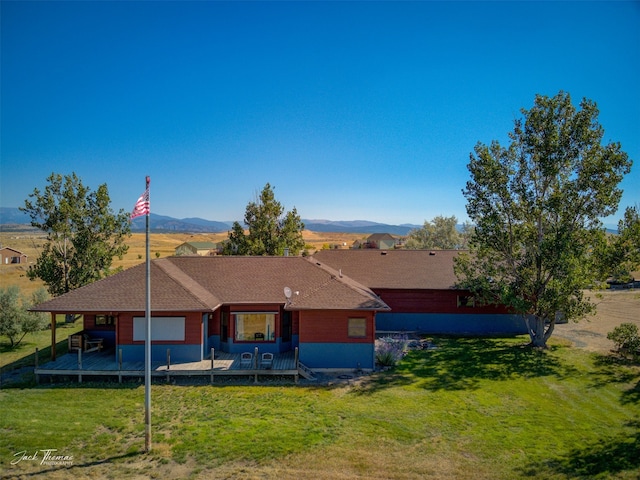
(352, 110)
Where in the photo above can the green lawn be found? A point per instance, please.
(24, 354)
(472, 408)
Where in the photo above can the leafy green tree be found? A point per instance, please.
(15, 319)
(270, 233)
(83, 233)
(624, 248)
(441, 233)
(536, 206)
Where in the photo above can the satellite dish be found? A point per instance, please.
(287, 292)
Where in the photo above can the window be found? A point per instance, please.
(105, 320)
(357, 327)
(255, 327)
(162, 329)
(466, 301)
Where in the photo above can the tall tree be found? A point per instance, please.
(441, 233)
(83, 233)
(536, 206)
(270, 233)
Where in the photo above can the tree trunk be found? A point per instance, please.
(538, 333)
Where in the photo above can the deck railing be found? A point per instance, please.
(103, 364)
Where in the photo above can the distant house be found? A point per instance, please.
(359, 244)
(196, 248)
(381, 241)
(10, 255)
(419, 287)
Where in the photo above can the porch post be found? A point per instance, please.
(53, 336)
(212, 359)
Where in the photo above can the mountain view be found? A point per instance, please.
(161, 223)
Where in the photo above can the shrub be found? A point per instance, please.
(625, 336)
(390, 350)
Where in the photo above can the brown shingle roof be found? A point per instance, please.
(420, 269)
(204, 283)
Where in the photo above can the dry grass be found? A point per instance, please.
(161, 245)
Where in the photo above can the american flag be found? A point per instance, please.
(142, 205)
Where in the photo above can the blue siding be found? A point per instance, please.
(263, 347)
(452, 323)
(109, 336)
(338, 355)
(179, 353)
(214, 342)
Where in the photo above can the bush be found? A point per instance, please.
(15, 319)
(390, 350)
(625, 336)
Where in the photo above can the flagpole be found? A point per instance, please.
(147, 342)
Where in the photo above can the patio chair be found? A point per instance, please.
(246, 359)
(92, 344)
(267, 361)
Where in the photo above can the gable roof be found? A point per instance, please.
(380, 236)
(395, 269)
(205, 283)
(13, 250)
(199, 245)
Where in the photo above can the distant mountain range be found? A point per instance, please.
(161, 223)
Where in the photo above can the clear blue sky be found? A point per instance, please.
(358, 110)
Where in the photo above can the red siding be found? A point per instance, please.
(295, 323)
(267, 307)
(331, 326)
(125, 329)
(214, 323)
(431, 301)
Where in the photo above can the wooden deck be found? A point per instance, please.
(106, 364)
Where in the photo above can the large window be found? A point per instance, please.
(255, 327)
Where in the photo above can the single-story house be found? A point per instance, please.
(381, 241)
(10, 255)
(196, 248)
(233, 304)
(419, 287)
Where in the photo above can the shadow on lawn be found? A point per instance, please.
(462, 363)
(614, 369)
(603, 458)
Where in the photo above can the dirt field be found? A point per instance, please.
(614, 308)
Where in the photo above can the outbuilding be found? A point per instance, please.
(11, 256)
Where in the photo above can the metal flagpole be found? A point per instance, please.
(147, 342)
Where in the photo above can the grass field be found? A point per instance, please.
(470, 409)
